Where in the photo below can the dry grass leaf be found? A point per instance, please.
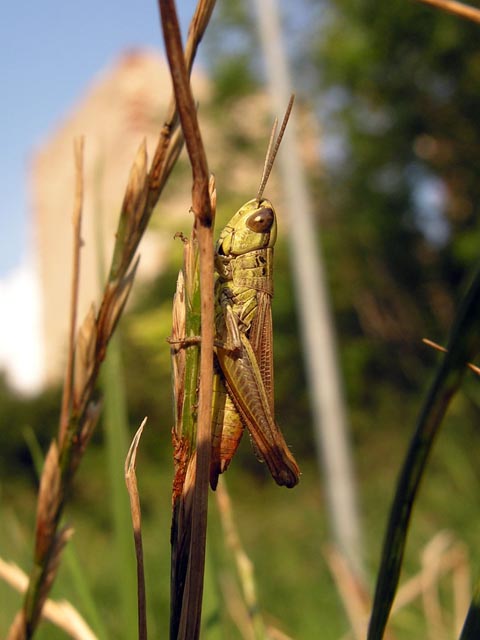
(84, 356)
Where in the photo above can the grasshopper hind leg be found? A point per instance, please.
(227, 430)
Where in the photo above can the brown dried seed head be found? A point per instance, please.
(116, 298)
(87, 428)
(84, 355)
(137, 188)
(60, 540)
(49, 503)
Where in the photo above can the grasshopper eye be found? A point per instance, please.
(262, 220)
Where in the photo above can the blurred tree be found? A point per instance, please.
(20, 414)
(394, 87)
(398, 82)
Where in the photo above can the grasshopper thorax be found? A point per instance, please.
(253, 227)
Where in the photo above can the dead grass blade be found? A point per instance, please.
(457, 8)
(442, 557)
(438, 347)
(77, 244)
(243, 563)
(131, 482)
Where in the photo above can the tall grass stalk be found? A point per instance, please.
(463, 346)
(193, 499)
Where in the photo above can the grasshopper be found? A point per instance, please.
(243, 378)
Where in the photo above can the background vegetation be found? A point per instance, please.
(395, 88)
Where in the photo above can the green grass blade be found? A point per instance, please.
(464, 344)
(117, 441)
(471, 628)
(86, 601)
(212, 627)
(34, 449)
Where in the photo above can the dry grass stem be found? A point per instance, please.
(185, 365)
(198, 524)
(212, 192)
(131, 482)
(442, 556)
(354, 594)
(275, 634)
(430, 592)
(165, 157)
(77, 244)
(17, 628)
(61, 614)
(187, 112)
(461, 585)
(457, 8)
(192, 596)
(198, 24)
(235, 606)
(242, 561)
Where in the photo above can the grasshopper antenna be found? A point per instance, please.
(273, 147)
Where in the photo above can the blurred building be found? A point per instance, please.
(124, 105)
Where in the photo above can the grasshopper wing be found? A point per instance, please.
(246, 388)
(261, 339)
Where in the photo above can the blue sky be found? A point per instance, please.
(51, 51)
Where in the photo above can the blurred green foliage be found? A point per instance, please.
(19, 413)
(393, 88)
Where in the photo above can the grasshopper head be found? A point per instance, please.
(253, 227)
